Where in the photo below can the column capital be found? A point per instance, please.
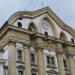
(68, 54)
(26, 45)
(11, 42)
(59, 52)
(40, 49)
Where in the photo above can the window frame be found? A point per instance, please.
(19, 24)
(35, 58)
(50, 65)
(35, 73)
(21, 70)
(19, 56)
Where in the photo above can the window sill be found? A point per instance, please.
(34, 64)
(20, 62)
(51, 66)
(67, 69)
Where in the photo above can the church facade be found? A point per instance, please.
(37, 43)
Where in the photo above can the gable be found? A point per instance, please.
(54, 24)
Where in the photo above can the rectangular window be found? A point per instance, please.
(34, 74)
(32, 58)
(19, 55)
(65, 63)
(20, 72)
(48, 59)
(52, 61)
(5, 71)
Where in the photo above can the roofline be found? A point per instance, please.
(33, 14)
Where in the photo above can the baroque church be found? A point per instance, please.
(37, 43)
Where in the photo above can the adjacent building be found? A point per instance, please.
(37, 43)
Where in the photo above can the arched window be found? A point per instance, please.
(63, 36)
(32, 27)
(48, 26)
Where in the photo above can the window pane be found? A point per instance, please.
(52, 60)
(19, 24)
(33, 73)
(32, 58)
(19, 55)
(65, 63)
(48, 59)
(20, 72)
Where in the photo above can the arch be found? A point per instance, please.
(32, 27)
(52, 26)
(63, 37)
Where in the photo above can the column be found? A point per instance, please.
(11, 59)
(27, 60)
(60, 59)
(40, 61)
(71, 61)
(2, 61)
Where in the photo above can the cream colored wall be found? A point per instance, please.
(37, 21)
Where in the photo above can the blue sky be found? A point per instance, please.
(65, 9)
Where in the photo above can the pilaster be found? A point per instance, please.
(40, 56)
(11, 58)
(40, 61)
(59, 52)
(70, 54)
(27, 59)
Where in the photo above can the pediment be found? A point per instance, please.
(46, 10)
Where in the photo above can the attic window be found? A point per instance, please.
(31, 27)
(72, 40)
(46, 34)
(63, 36)
(19, 24)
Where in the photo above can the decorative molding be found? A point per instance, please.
(34, 70)
(69, 54)
(59, 52)
(52, 71)
(20, 67)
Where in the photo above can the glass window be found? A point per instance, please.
(20, 72)
(19, 55)
(19, 24)
(32, 58)
(52, 60)
(33, 73)
(65, 63)
(32, 27)
(48, 59)
(63, 36)
(5, 71)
